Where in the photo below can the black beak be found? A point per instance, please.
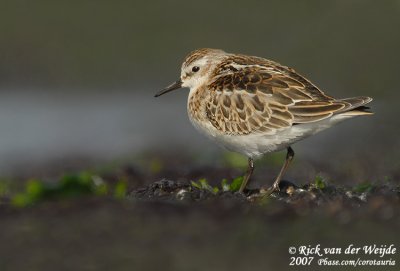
(173, 86)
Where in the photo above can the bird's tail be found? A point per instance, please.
(356, 106)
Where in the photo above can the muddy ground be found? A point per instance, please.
(157, 220)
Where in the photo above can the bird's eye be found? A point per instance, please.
(195, 68)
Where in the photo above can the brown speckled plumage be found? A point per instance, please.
(254, 95)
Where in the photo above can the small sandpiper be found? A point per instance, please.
(254, 106)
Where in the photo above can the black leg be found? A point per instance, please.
(289, 158)
(246, 179)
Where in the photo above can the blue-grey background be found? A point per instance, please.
(77, 78)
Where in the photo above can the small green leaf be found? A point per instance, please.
(194, 184)
(34, 189)
(101, 189)
(319, 182)
(236, 183)
(204, 185)
(21, 200)
(203, 182)
(120, 189)
(363, 187)
(85, 178)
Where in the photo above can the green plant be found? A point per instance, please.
(68, 186)
(363, 187)
(225, 185)
(236, 183)
(120, 189)
(204, 185)
(319, 182)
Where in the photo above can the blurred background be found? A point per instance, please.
(77, 78)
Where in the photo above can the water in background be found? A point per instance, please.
(42, 128)
(77, 79)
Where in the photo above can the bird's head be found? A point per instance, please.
(196, 69)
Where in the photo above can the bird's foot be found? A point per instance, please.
(267, 191)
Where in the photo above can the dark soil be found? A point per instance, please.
(173, 225)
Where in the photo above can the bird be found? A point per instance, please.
(254, 106)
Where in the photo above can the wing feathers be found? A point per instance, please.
(356, 101)
(313, 110)
(251, 95)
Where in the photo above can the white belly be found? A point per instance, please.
(255, 145)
